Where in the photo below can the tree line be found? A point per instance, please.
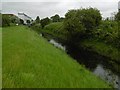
(85, 23)
(47, 20)
(80, 24)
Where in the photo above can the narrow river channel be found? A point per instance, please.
(96, 64)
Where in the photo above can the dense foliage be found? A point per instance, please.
(44, 21)
(37, 20)
(117, 16)
(55, 18)
(21, 21)
(5, 20)
(9, 19)
(81, 23)
(108, 33)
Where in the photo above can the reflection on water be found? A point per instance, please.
(94, 63)
(107, 75)
(58, 45)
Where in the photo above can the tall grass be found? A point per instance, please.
(30, 61)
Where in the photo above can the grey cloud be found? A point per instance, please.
(44, 9)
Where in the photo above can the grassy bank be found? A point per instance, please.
(54, 30)
(105, 50)
(101, 48)
(30, 61)
(95, 45)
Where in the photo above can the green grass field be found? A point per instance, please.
(30, 61)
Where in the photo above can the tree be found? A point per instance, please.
(80, 23)
(37, 19)
(117, 16)
(72, 26)
(55, 18)
(90, 18)
(44, 21)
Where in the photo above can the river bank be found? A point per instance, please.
(94, 62)
(100, 65)
(30, 61)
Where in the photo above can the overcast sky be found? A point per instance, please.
(48, 8)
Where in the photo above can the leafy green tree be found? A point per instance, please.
(44, 21)
(90, 18)
(117, 16)
(73, 26)
(79, 23)
(37, 19)
(55, 18)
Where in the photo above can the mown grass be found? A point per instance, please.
(30, 61)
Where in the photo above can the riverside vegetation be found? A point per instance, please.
(50, 67)
(29, 61)
(85, 28)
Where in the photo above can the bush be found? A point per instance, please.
(5, 21)
(37, 20)
(117, 16)
(36, 27)
(55, 18)
(21, 21)
(80, 23)
(44, 21)
(108, 33)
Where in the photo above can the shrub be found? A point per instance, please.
(117, 16)
(55, 18)
(44, 21)
(80, 23)
(5, 21)
(37, 20)
(21, 21)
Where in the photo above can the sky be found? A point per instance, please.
(48, 8)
